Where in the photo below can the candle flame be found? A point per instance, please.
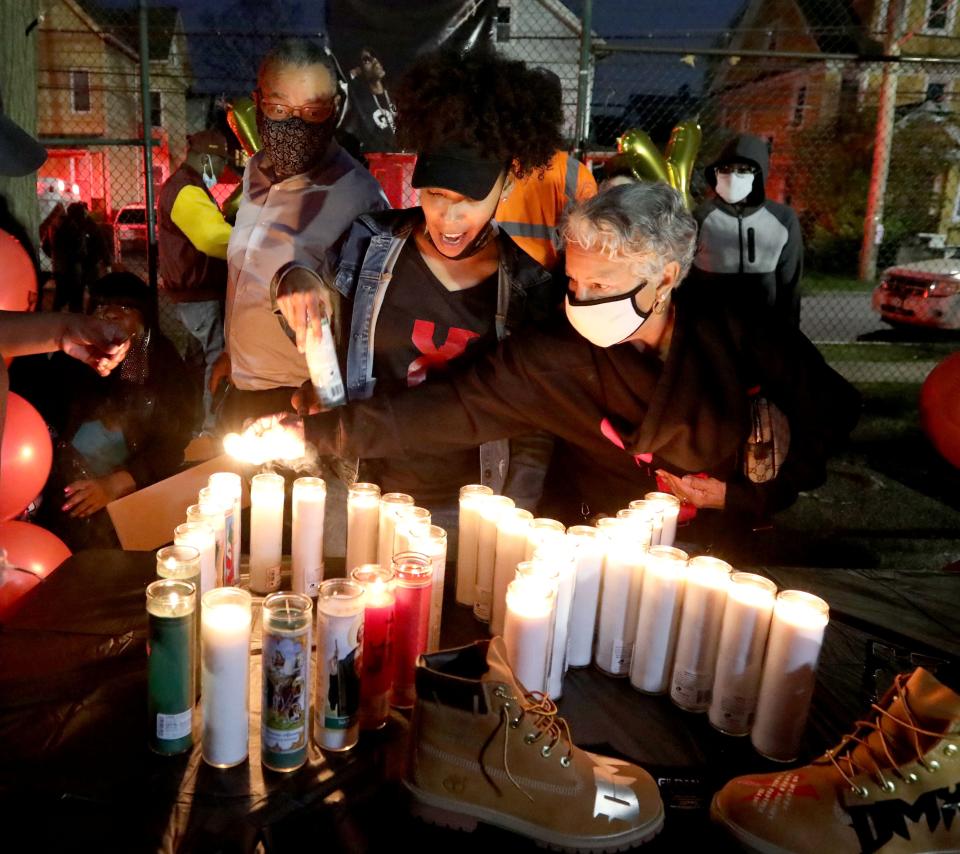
(258, 446)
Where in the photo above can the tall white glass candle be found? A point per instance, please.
(408, 520)
(543, 571)
(696, 657)
(306, 545)
(266, 532)
(559, 556)
(363, 524)
(626, 547)
(540, 531)
(528, 628)
(789, 674)
(511, 549)
(658, 619)
(390, 506)
(228, 486)
(491, 509)
(213, 518)
(200, 535)
(743, 637)
(588, 555)
(225, 651)
(431, 540)
(468, 530)
(218, 511)
(671, 510)
(650, 511)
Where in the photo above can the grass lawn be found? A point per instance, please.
(817, 283)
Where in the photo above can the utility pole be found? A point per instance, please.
(583, 80)
(883, 144)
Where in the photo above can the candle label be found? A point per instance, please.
(736, 712)
(230, 570)
(692, 689)
(273, 577)
(483, 600)
(171, 727)
(338, 663)
(621, 656)
(286, 663)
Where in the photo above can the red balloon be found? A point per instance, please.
(26, 455)
(940, 409)
(18, 276)
(29, 547)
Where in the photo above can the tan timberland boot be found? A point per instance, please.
(892, 786)
(483, 749)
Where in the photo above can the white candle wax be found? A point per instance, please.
(266, 532)
(789, 674)
(212, 512)
(491, 508)
(527, 630)
(671, 510)
(431, 540)
(695, 661)
(588, 552)
(651, 512)
(658, 619)
(200, 535)
(390, 505)
(743, 637)
(409, 522)
(559, 556)
(539, 532)
(468, 531)
(306, 545)
(620, 597)
(363, 524)
(228, 487)
(225, 643)
(510, 550)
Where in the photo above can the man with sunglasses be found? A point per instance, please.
(748, 242)
(301, 192)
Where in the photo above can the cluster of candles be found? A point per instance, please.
(621, 596)
(371, 626)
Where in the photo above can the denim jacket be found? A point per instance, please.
(526, 294)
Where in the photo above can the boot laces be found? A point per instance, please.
(546, 721)
(842, 756)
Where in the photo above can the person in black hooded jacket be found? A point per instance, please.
(746, 240)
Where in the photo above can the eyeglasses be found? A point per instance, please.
(310, 113)
(736, 169)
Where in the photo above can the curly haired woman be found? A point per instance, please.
(431, 288)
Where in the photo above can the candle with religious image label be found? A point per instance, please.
(658, 619)
(510, 550)
(225, 617)
(588, 554)
(171, 657)
(306, 543)
(266, 532)
(376, 668)
(414, 578)
(671, 510)
(468, 531)
(363, 524)
(201, 536)
(339, 638)
(743, 638)
(390, 506)
(789, 674)
(491, 509)
(228, 487)
(695, 662)
(285, 707)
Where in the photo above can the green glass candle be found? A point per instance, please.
(182, 563)
(171, 656)
(285, 709)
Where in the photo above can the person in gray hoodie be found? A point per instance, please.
(745, 239)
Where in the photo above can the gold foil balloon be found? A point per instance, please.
(646, 161)
(681, 153)
(242, 118)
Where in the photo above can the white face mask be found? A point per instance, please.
(209, 178)
(733, 188)
(607, 321)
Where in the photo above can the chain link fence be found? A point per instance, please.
(811, 87)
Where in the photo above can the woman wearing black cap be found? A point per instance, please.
(431, 288)
(119, 433)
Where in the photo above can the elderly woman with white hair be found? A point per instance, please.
(644, 377)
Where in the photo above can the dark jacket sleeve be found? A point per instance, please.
(821, 406)
(789, 271)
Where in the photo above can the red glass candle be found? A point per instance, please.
(376, 665)
(414, 580)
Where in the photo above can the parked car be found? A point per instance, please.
(130, 230)
(921, 293)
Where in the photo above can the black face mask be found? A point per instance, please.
(294, 146)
